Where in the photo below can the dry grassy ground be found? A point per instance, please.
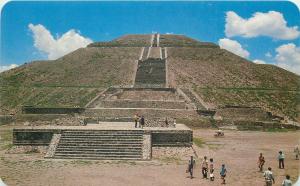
(222, 78)
(72, 80)
(238, 150)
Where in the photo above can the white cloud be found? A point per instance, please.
(259, 61)
(169, 33)
(57, 47)
(270, 24)
(234, 47)
(8, 67)
(288, 57)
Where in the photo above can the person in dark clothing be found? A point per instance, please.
(211, 169)
(223, 173)
(142, 121)
(191, 166)
(261, 162)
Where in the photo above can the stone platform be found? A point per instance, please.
(103, 140)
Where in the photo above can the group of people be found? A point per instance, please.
(139, 121)
(206, 167)
(268, 175)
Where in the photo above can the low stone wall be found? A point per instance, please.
(147, 113)
(32, 137)
(242, 114)
(50, 110)
(6, 119)
(141, 104)
(48, 119)
(146, 94)
(258, 125)
(172, 138)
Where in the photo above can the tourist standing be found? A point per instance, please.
(174, 124)
(223, 173)
(297, 152)
(211, 169)
(191, 166)
(204, 167)
(167, 122)
(269, 178)
(281, 160)
(287, 181)
(142, 121)
(261, 162)
(136, 119)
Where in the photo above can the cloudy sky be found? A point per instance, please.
(263, 32)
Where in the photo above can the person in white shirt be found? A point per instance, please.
(204, 167)
(287, 181)
(269, 178)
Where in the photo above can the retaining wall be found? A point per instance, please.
(242, 113)
(172, 138)
(147, 113)
(50, 110)
(32, 136)
(141, 104)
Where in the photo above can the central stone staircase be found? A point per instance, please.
(151, 73)
(104, 144)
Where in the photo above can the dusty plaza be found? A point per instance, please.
(149, 93)
(238, 149)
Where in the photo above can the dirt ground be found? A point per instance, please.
(239, 150)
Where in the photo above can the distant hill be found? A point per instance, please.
(219, 77)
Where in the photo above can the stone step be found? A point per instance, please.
(98, 144)
(99, 155)
(99, 151)
(99, 148)
(119, 145)
(102, 136)
(99, 158)
(106, 131)
(101, 140)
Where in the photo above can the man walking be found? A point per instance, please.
(297, 152)
(281, 160)
(191, 166)
(223, 173)
(261, 162)
(269, 178)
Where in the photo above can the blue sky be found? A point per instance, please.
(103, 21)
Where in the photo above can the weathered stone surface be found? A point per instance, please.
(147, 146)
(52, 146)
